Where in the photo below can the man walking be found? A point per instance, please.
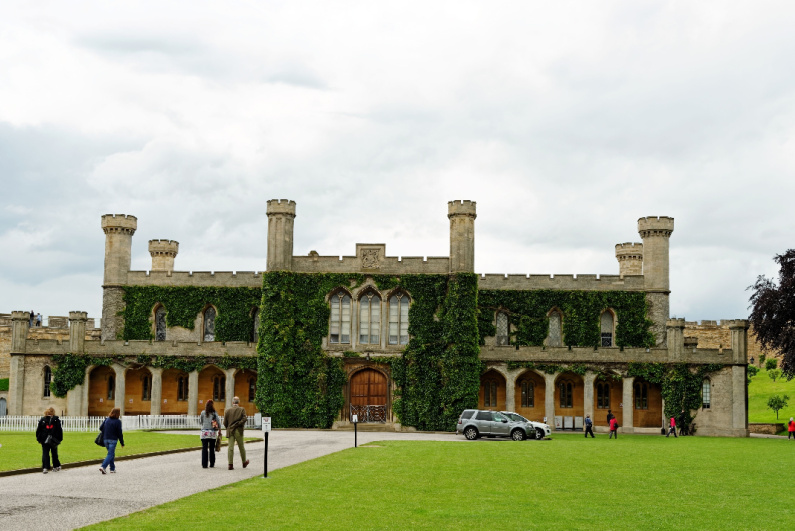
(235, 422)
(589, 427)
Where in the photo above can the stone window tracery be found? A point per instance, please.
(160, 323)
(606, 324)
(340, 326)
(370, 318)
(209, 324)
(706, 392)
(399, 319)
(503, 329)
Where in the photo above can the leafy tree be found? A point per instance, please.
(752, 371)
(777, 403)
(773, 312)
(771, 364)
(762, 358)
(775, 373)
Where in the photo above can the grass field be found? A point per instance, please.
(762, 388)
(20, 449)
(635, 482)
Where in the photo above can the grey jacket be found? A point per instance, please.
(207, 420)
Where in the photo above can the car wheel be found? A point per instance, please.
(471, 433)
(539, 433)
(517, 435)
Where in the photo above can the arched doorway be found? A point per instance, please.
(138, 392)
(647, 401)
(492, 391)
(530, 394)
(175, 392)
(101, 391)
(245, 389)
(368, 395)
(608, 396)
(569, 399)
(212, 385)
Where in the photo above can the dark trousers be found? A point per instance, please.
(208, 452)
(671, 430)
(589, 429)
(791, 434)
(612, 433)
(45, 456)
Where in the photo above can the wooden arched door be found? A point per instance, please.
(368, 396)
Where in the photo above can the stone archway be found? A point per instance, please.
(530, 396)
(492, 391)
(368, 395)
(569, 398)
(647, 404)
(175, 392)
(138, 391)
(245, 389)
(608, 396)
(212, 385)
(101, 391)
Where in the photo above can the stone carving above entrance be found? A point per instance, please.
(370, 255)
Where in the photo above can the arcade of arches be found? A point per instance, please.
(535, 395)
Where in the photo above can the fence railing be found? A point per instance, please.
(129, 422)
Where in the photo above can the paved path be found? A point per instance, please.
(77, 497)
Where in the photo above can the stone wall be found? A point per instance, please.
(716, 335)
(38, 333)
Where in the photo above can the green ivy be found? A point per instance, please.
(4, 384)
(233, 322)
(527, 314)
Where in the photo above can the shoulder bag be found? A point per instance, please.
(100, 440)
(218, 440)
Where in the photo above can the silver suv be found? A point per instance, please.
(476, 422)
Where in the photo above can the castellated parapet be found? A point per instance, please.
(281, 218)
(630, 258)
(462, 216)
(119, 229)
(655, 232)
(163, 253)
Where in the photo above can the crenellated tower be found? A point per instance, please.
(281, 217)
(630, 258)
(119, 230)
(656, 233)
(163, 253)
(462, 216)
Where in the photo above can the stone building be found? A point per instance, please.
(552, 346)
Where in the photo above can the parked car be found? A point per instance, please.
(474, 423)
(541, 430)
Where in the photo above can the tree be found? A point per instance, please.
(771, 364)
(773, 312)
(762, 358)
(775, 373)
(777, 403)
(752, 371)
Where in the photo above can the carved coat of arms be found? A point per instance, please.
(370, 259)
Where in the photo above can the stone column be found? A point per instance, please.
(739, 339)
(84, 405)
(549, 399)
(739, 401)
(193, 392)
(121, 386)
(20, 323)
(628, 410)
(74, 400)
(590, 377)
(510, 391)
(157, 391)
(230, 386)
(77, 332)
(675, 331)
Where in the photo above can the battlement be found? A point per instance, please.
(281, 206)
(629, 250)
(372, 263)
(119, 223)
(232, 279)
(655, 226)
(163, 247)
(118, 348)
(461, 208)
(562, 282)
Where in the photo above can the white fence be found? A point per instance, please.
(132, 422)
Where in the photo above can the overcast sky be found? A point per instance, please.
(565, 121)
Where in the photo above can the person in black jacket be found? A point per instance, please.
(112, 435)
(49, 434)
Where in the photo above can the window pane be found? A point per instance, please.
(364, 320)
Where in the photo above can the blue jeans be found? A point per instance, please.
(110, 444)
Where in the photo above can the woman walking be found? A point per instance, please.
(210, 426)
(49, 434)
(112, 435)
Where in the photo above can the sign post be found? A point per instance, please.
(355, 419)
(266, 428)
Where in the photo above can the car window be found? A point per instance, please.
(484, 415)
(498, 417)
(467, 414)
(514, 417)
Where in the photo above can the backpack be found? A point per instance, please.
(588, 421)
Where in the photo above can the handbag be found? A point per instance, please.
(218, 440)
(51, 441)
(100, 440)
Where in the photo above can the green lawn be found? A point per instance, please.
(20, 449)
(762, 388)
(635, 482)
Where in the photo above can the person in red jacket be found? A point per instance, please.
(613, 428)
(672, 429)
(791, 427)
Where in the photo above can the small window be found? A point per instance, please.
(566, 394)
(467, 414)
(252, 389)
(503, 329)
(490, 393)
(370, 319)
(706, 389)
(219, 388)
(160, 323)
(528, 393)
(146, 388)
(111, 387)
(182, 388)
(47, 381)
(606, 321)
(209, 324)
(498, 417)
(255, 326)
(398, 319)
(340, 325)
(484, 415)
(641, 395)
(602, 395)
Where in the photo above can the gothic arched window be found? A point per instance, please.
(528, 393)
(606, 324)
(399, 319)
(503, 329)
(370, 318)
(47, 381)
(160, 323)
(340, 325)
(209, 324)
(255, 326)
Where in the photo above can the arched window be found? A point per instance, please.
(606, 322)
(255, 326)
(219, 388)
(399, 319)
(252, 389)
(490, 393)
(566, 394)
(146, 387)
(641, 395)
(602, 395)
(370, 318)
(503, 329)
(555, 332)
(209, 324)
(47, 381)
(706, 391)
(340, 326)
(160, 323)
(528, 393)
(182, 388)
(111, 387)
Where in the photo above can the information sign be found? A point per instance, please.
(266, 424)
